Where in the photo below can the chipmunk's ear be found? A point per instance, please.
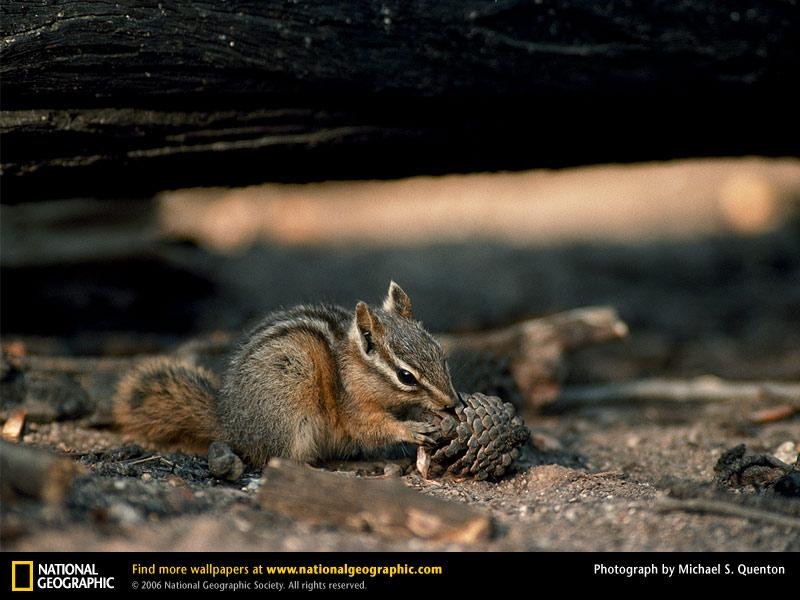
(397, 301)
(367, 327)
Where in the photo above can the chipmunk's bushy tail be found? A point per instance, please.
(169, 403)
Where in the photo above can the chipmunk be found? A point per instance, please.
(310, 383)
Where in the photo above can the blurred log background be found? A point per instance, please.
(705, 284)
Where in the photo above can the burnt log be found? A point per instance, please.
(134, 97)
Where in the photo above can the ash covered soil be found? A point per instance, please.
(590, 479)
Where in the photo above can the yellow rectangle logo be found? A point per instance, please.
(18, 564)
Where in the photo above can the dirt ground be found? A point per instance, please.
(596, 483)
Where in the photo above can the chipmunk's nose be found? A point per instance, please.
(455, 399)
(443, 400)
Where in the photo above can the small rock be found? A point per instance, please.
(787, 452)
(124, 514)
(632, 441)
(545, 442)
(175, 481)
(393, 470)
(223, 462)
(252, 484)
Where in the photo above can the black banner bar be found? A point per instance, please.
(359, 573)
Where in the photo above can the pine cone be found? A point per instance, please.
(480, 438)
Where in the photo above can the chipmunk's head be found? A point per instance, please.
(400, 362)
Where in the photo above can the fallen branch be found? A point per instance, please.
(535, 349)
(701, 389)
(385, 506)
(35, 473)
(703, 505)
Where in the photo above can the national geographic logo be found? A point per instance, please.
(27, 577)
(21, 575)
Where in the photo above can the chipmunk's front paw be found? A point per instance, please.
(417, 432)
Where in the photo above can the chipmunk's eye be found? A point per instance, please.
(406, 378)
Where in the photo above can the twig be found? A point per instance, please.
(774, 413)
(701, 389)
(14, 425)
(139, 461)
(703, 505)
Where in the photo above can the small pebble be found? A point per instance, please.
(252, 485)
(545, 442)
(393, 470)
(786, 452)
(223, 462)
(124, 514)
(175, 481)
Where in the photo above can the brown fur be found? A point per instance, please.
(170, 404)
(368, 416)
